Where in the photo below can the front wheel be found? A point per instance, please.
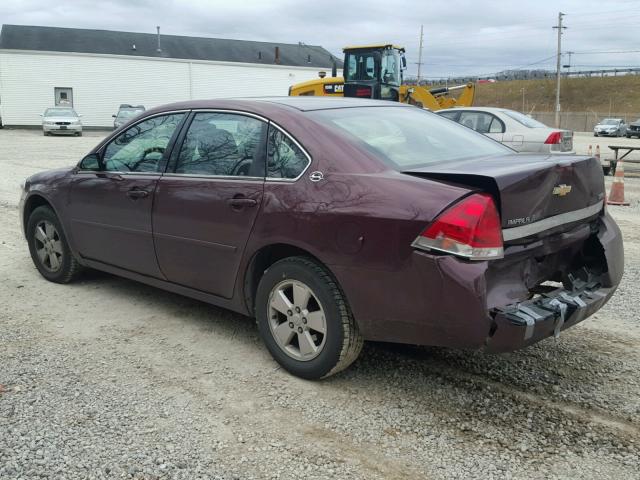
(48, 246)
(304, 319)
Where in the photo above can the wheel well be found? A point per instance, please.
(261, 261)
(33, 202)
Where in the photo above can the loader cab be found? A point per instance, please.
(373, 71)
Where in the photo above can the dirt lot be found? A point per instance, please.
(106, 378)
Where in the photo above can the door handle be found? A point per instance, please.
(241, 202)
(136, 193)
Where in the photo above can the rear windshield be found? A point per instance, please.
(406, 138)
(524, 119)
(129, 113)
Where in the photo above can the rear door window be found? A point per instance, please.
(481, 122)
(223, 144)
(449, 115)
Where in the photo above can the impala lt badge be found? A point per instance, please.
(562, 190)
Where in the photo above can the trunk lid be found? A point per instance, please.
(535, 194)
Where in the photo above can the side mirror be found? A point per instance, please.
(114, 116)
(404, 63)
(42, 115)
(90, 162)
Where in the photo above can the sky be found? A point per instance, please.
(461, 37)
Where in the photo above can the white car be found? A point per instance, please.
(610, 127)
(61, 120)
(514, 129)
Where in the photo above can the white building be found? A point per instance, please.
(97, 70)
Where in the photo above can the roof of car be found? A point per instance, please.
(80, 40)
(479, 109)
(301, 103)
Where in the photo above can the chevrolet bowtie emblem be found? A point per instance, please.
(561, 190)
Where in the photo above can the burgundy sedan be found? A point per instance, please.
(334, 221)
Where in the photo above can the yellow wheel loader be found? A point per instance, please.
(375, 71)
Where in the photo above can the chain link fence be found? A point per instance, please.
(580, 121)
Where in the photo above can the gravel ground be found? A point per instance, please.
(106, 378)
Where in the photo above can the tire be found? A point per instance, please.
(44, 133)
(336, 348)
(79, 134)
(67, 268)
(606, 170)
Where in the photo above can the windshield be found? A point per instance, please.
(60, 112)
(524, 119)
(406, 138)
(122, 114)
(360, 66)
(609, 121)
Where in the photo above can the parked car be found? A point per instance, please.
(610, 127)
(515, 130)
(126, 113)
(333, 221)
(633, 130)
(61, 120)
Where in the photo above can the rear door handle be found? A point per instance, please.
(242, 202)
(136, 193)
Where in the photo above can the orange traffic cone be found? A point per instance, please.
(616, 196)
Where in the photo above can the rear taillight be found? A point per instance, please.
(471, 229)
(554, 138)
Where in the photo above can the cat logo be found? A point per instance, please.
(562, 190)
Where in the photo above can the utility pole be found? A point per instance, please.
(523, 109)
(420, 53)
(560, 28)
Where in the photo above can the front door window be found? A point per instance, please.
(141, 147)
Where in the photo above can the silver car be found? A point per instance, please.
(611, 127)
(61, 120)
(514, 129)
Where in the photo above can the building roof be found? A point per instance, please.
(79, 40)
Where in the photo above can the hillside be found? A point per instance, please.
(602, 95)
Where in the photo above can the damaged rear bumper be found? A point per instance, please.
(525, 323)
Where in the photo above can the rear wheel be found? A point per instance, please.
(304, 319)
(49, 248)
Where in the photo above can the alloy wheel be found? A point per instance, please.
(297, 320)
(48, 245)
